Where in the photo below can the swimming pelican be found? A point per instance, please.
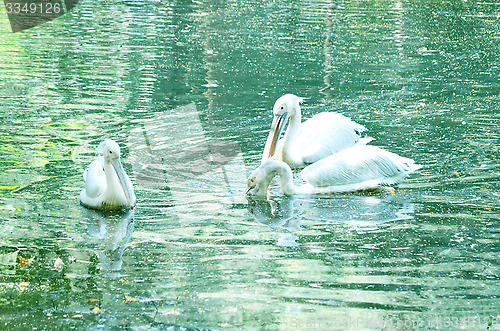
(303, 143)
(362, 167)
(107, 186)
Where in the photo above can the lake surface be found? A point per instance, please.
(187, 89)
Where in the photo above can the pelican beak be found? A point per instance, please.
(117, 165)
(274, 135)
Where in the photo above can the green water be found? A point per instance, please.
(186, 88)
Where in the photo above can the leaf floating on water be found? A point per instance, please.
(92, 300)
(23, 286)
(96, 310)
(24, 262)
(58, 264)
(130, 299)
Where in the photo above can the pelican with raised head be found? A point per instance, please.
(322, 135)
(107, 186)
(357, 168)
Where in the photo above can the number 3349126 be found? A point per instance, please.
(33, 8)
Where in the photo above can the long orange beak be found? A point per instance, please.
(274, 135)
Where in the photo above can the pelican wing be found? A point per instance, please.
(357, 165)
(95, 179)
(325, 134)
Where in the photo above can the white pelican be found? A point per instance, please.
(357, 168)
(303, 143)
(107, 186)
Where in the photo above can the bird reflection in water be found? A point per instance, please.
(363, 212)
(283, 212)
(112, 233)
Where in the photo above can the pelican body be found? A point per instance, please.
(304, 143)
(357, 168)
(107, 186)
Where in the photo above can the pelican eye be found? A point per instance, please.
(252, 182)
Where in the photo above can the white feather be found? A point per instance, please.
(95, 179)
(304, 143)
(325, 134)
(353, 169)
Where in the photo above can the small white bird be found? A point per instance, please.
(107, 186)
(322, 135)
(356, 168)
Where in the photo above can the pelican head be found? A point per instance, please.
(260, 178)
(287, 106)
(109, 149)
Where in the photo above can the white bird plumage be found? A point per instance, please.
(357, 168)
(107, 186)
(322, 135)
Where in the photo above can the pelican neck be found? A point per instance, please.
(290, 135)
(286, 178)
